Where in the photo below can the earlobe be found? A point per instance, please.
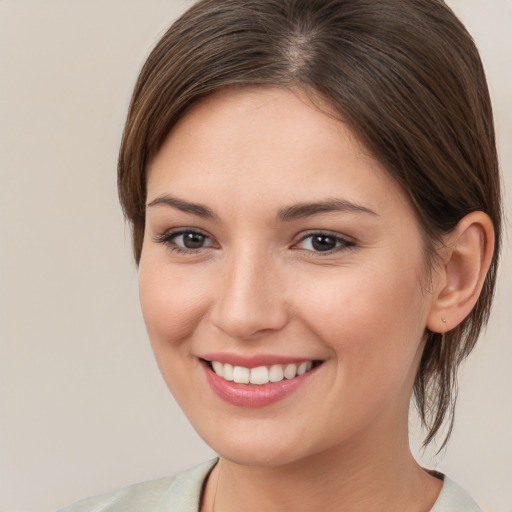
(467, 256)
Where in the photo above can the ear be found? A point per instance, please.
(457, 282)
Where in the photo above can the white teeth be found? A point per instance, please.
(262, 374)
(241, 375)
(227, 373)
(218, 368)
(304, 367)
(259, 375)
(276, 373)
(290, 371)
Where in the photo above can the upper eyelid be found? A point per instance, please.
(345, 242)
(324, 232)
(180, 231)
(174, 232)
(169, 235)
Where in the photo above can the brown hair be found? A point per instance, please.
(403, 74)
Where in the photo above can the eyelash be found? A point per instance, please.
(168, 239)
(341, 243)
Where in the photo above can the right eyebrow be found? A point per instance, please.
(184, 206)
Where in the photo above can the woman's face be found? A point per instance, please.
(276, 244)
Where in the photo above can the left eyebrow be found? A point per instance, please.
(299, 211)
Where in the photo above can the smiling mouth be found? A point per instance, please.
(261, 375)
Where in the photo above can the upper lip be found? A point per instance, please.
(253, 361)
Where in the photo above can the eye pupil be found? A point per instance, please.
(323, 243)
(193, 240)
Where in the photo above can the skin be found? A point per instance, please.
(258, 286)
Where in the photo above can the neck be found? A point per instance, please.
(352, 478)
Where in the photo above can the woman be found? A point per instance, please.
(314, 194)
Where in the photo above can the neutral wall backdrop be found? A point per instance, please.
(83, 409)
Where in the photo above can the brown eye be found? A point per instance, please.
(191, 240)
(323, 242)
(185, 240)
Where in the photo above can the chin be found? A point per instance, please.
(260, 451)
(256, 456)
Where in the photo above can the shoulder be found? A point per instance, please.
(180, 493)
(453, 498)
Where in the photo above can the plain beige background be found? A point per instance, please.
(83, 409)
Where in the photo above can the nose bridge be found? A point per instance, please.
(250, 298)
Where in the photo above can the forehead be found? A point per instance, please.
(271, 144)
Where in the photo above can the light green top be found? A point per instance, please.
(182, 493)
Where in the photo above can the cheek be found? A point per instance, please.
(367, 323)
(172, 302)
(373, 320)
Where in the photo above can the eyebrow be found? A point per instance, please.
(289, 213)
(299, 211)
(194, 208)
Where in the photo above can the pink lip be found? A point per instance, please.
(252, 395)
(252, 361)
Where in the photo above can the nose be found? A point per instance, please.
(250, 302)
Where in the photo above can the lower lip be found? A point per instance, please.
(254, 395)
